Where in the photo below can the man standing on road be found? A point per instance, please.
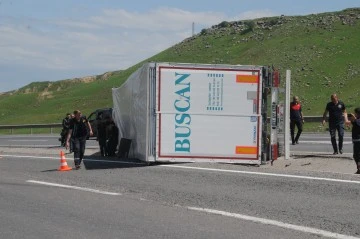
(355, 121)
(337, 114)
(296, 118)
(65, 124)
(101, 136)
(78, 133)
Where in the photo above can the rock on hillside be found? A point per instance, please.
(324, 20)
(45, 89)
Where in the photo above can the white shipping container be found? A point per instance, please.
(190, 112)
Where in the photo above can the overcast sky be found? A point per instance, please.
(47, 40)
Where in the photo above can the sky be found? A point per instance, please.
(48, 40)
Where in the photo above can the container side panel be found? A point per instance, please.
(208, 113)
(209, 135)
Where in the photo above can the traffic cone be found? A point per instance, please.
(63, 163)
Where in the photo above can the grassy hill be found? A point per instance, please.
(322, 50)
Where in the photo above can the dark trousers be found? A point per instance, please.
(299, 125)
(79, 149)
(112, 145)
(63, 135)
(103, 147)
(340, 129)
(356, 153)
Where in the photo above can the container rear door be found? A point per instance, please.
(152, 116)
(208, 114)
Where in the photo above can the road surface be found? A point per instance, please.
(312, 143)
(40, 141)
(113, 199)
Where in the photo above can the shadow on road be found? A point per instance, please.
(49, 170)
(96, 161)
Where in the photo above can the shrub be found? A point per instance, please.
(224, 24)
(250, 25)
(204, 31)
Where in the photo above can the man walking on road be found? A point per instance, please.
(337, 114)
(296, 118)
(78, 133)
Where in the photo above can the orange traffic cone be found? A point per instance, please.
(63, 163)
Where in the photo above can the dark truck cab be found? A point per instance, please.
(96, 116)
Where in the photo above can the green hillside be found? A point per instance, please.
(321, 50)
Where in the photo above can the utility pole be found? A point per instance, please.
(193, 28)
(287, 114)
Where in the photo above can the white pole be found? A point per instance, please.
(287, 115)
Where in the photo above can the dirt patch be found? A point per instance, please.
(86, 79)
(320, 163)
(106, 75)
(45, 95)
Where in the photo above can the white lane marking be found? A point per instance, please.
(73, 187)
(322, 137)
(26, 156)
(54, 158)
(27, 136)
(275, 223)
(262, 174)
(317, 153)
(38, 146)
(327, 135)
(28, 140)
(319, 142)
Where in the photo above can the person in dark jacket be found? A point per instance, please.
(355, 133)
(78, 132)
(296, 118)
(101, 135)
(337, 114)
(65, 128)
(112, 137)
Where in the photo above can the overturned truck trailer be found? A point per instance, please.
(195, 112)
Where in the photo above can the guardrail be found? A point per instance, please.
(51, 127)
(313, 118)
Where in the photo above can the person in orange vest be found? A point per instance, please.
(296, 119)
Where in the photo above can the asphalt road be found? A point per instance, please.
(320, 143)
(41, 141)
(130, 200)
(310, 143)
